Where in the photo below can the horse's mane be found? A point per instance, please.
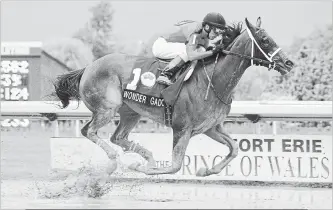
(232, 32)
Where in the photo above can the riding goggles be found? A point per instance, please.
(216, 30)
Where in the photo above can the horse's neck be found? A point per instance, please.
(230, 69)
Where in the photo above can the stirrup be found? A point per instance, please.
(163, 80)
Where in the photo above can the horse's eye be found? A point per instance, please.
(265, 40)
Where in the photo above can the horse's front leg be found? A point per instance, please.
(219, 134)
(181, 140)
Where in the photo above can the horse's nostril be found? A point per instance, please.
(289, 63)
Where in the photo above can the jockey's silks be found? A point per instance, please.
(181, 34)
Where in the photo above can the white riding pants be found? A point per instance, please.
(169, 50)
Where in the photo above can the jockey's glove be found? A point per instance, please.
(218, 48)
(210, 48)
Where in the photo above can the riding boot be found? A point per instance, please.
(170, 70)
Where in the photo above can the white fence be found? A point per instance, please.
(267, 110)
(266, 158)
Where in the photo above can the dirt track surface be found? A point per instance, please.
(140, 194)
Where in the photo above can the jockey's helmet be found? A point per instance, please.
(214, 19)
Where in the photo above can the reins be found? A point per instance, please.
(248, 57)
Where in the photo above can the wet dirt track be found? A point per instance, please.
(139, 194)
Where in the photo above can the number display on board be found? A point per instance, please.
(14, 94)
(15, 123)
(14, 87)
(14, 79)
(11, 80)
(13, 66)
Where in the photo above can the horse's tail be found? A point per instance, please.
(67, 86)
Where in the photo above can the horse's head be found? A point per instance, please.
(265, 48)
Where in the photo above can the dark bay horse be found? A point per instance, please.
(100, 87)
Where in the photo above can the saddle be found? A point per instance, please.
(143, 88)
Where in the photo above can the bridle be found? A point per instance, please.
(270, 62)
(270, 59)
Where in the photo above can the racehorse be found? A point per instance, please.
(100, 87)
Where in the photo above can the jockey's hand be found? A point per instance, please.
(218, 48)
(210, 48)
(215, 41)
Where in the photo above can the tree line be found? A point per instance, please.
(310, 80)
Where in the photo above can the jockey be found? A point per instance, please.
(189, 43)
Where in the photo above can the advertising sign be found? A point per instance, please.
(294, 158)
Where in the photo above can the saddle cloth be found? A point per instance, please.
(143, 88)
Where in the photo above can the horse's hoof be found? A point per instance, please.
(202, 172)
(134, 166)
(111, 167)
(152, 164)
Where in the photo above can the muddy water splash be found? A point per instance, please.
(92, 182)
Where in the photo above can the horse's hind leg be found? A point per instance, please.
(219, 134)
(128, 120)
(100, 119)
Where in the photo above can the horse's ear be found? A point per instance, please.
(250, 26)
(258, 22)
